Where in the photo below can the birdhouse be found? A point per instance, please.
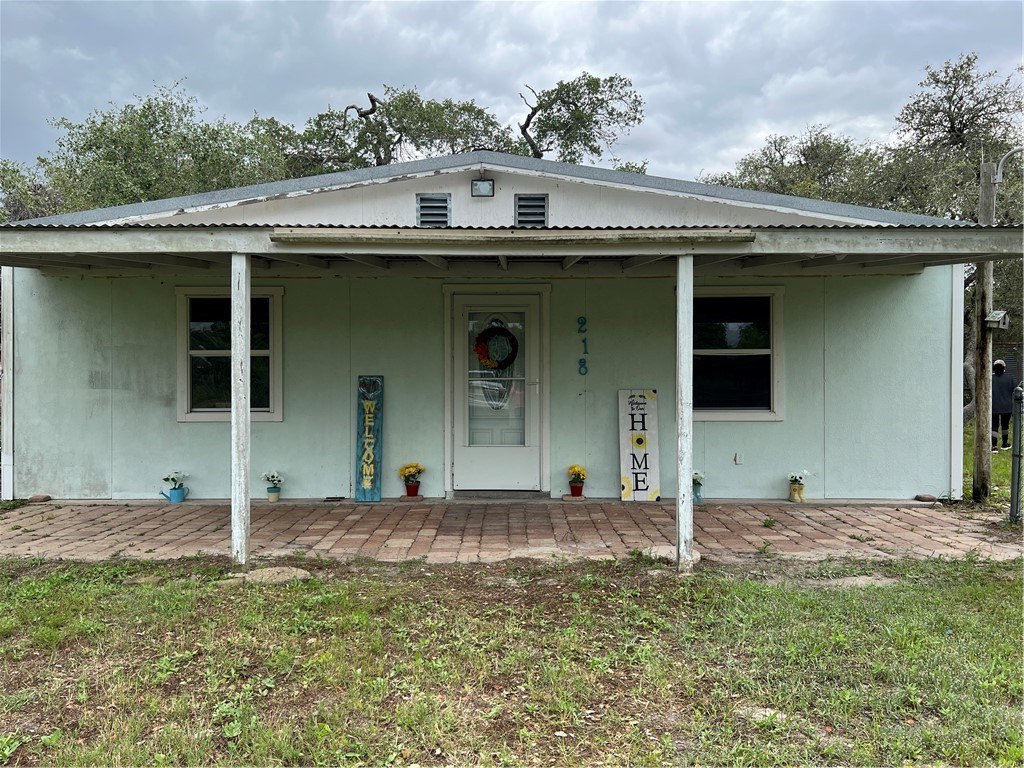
(999, 318)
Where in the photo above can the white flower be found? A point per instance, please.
(175, 478)
(698, 477)
(798, 477)
(274, 478)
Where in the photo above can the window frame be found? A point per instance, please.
(276, 410)
(777, 410)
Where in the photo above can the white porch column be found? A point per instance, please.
(241, 290)
(7, 383)
(684, 413)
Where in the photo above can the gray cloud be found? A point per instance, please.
(717, 77)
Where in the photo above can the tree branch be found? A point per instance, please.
(365, 113)
(524, 127)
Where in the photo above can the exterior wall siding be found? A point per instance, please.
(95, 408)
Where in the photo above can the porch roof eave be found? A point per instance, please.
(717, 249)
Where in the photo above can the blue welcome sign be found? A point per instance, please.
(369, 437)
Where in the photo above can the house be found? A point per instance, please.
(505, 302)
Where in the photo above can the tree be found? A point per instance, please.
(576, 119)
(815, 164)
(161, 146)
(26, 195)
(959, 107)
(581, 117)
(155, 148)
(434, 128)
(401, 126)
(630, 166)
(958, 119)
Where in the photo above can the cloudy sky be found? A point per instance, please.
(717, 77)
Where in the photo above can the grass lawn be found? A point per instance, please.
(517, 663)
(1001, 469)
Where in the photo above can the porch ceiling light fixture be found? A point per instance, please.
(481, 187)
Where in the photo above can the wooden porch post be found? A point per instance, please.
(241, 290)
(684, 413)
(7, 383)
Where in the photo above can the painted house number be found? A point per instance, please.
(581, 323)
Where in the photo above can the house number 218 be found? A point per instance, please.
(581, 323)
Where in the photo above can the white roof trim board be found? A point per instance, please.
(325, 250)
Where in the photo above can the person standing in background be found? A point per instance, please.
(1002, 404)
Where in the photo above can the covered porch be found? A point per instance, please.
(436, 531)
(238, 254)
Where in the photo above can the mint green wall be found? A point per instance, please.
(867, 387)
(888, 405)
(403, 340)
(62, 386)
(866, 382)
(631, 345)
(96, 388)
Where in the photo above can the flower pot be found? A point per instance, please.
(796, 492)
(575, 489)
(273, 493)
(698, 493)
(412, 489)
(175, 495)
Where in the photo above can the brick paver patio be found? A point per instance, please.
(444, 532)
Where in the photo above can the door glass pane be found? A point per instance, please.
(496, 379)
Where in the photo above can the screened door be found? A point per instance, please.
(496, 358)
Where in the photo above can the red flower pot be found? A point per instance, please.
(412, 489)
(576, 489)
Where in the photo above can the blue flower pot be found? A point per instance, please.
(175, 495)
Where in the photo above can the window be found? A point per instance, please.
(204, 354)
(737, 365)
(433, 210)
(531, 210)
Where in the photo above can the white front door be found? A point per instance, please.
(496, 398)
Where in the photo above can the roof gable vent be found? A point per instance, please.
(531, 210)
(433, 210)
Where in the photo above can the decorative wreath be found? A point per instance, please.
(482, 347)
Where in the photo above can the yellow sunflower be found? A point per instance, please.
(640, 440)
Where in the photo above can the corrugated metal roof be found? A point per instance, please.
(496, 161)
(44, 224)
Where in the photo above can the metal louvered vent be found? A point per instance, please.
(433, 210)
(531, 210)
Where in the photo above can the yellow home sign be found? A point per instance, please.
(638, 445)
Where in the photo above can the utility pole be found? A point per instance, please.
(982, 475)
